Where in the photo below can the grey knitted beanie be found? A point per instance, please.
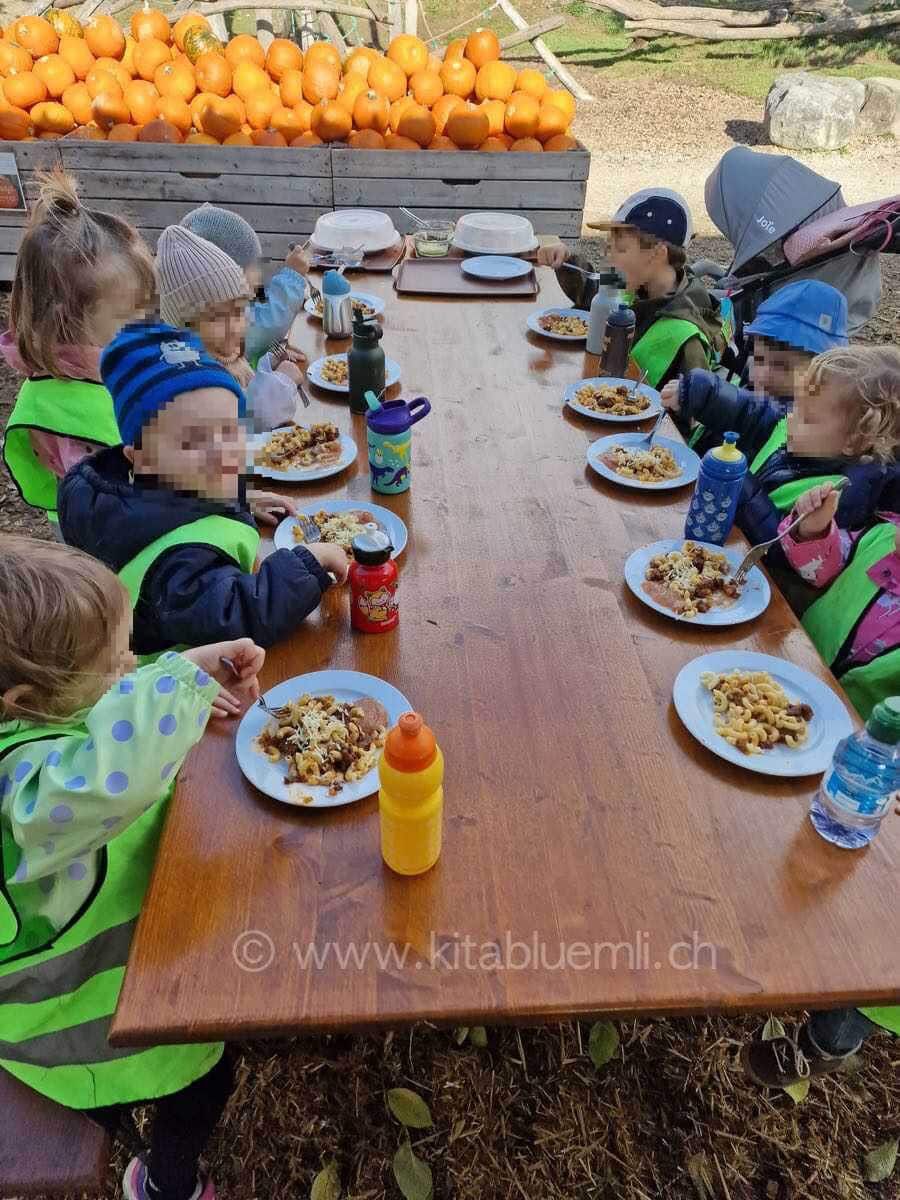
(193, 274)
(226, 230)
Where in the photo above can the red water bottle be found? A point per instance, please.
(373, 583)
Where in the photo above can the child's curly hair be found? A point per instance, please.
(870, 379)
(63, 268)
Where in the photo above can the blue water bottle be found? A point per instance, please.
(859, 787)
(716, 495)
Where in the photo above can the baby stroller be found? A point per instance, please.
(786, 223)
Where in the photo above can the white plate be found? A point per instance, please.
(345, 686)
(830, 721)
(460, 244)
(496, 266)
(684, 456)
(388, 521)
(753, 600)
(645, 390)
(298, 475)
(563, 312)
(374, 302)
(314, 375)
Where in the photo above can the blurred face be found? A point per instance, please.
(221, 328)
(819, 424)
(253, 275)
(121, 301)
(637, 263)
(777, 369)
(195, 445)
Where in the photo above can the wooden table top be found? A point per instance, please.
(596, 858)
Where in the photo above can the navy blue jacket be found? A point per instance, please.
(194, 594)
(722, 407)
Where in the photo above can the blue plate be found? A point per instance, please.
(654, 401)
(496, 266)
(534, 323)
(753, 600)
(683, 455)
(830, 721)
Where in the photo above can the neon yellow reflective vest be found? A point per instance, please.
(73, 408)
(59, 989)
(662, 343)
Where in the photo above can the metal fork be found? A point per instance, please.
(311, 531)
(227, 662)
(752, 557)
(647, 440)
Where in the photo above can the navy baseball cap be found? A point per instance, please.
(807, 315)
(659, 212)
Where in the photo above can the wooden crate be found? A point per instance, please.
(548, 189)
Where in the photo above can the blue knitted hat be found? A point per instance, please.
(148, 364)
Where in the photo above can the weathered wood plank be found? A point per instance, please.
(235, 189)
(487, 193)
(265, 218)
(274, 245)
(313, 162)
(32, 155)
(399, 165)
(7, 268)
(225, 6)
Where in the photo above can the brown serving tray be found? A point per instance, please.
(444, 277)
(383, 261)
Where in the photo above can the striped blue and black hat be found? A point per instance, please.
(148, 364)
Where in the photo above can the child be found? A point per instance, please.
(270, 320)
(201, 288)
(833, 430)
(790, 328)
(167, 510)
(678, 325)
(88, 753)
(80, 276)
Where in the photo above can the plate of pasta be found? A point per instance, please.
(339, 522)
(624, 458)
(613, 399)
(333, 374)
(692, 582)
(560, 324)
(761, 712)
(301, 453)
(322, 751)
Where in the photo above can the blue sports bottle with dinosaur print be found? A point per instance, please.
(390, 443)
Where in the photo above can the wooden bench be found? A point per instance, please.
(46, 1149)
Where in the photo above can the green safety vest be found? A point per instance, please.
(785, 497)
(661, 345)
(832, 620)
(59, 989)
(73, 408)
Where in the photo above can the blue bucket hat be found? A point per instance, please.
(807, 315)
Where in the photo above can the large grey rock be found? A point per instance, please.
(879, 114)
(813, 112)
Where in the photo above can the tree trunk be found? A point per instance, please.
(705, 31)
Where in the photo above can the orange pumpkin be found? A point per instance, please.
(455, 50)
(127, 59)
(176, 112)
(123, 133)
(371, 112)
(409, 53)
(200, 139)
(176, 79)
(86, 133)
(482, 47)
(458, 76)
(394, 141)
(468, 126)
(493, 145)
(198, 104)
(100, 80)
(213, 74)
(148, 55)
(289, 122)
(52, 117)
(15, 124)
(115, 69)
(248, 78)
(219, 118)
(160, 131)
(55, 73)
(77, 53)
(523, 115)
(307, 139)
(77, 100)
(532, 81)
(496, 81)
(398, 108)
(183, 24)
(417, 123)
(15, 58)
(238, 139)
(110, 110)
(331, 121)
(559, 143)
(427, 88)
(321, 80)
(562, 99)
(552, 122)
(366, 139)
(260, 106)
(149, 22)
(323, 52)
(442, 110)
(359, 60)
(245, 49)
(267, 137)
(291, 87)
(25, 89)
(64, 24)
(387, 79)
(350, 89)
(282, 56)
(35, 35)
(527, 145)
(104, 36)
(443, 143)
(496, 111)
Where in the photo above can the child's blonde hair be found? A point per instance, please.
(61, 610)
(870, 378)
(60, 268)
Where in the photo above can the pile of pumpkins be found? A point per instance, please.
(179, 83)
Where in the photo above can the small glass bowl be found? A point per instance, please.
(432, 240)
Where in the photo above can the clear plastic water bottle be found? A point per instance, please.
(859, 787)
(716, 495)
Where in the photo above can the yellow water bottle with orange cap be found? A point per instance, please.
(411, 797)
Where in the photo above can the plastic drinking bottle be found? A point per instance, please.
(337, 307)
(717, 492)
(411, 797)
(390, 443)
(373, 583)
(605, 301)
(617, 343)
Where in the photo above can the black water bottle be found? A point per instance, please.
(617, 343)
(365, 363)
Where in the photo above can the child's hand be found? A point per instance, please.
(817, 507)
(243, 688)
(331, 558)
(287, 368)
(552, 256)
(269, 508)
(670, 396)
(298, 260)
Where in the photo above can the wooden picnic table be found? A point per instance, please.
(579, 811)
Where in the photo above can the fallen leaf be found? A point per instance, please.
(327, 1184)
(798, 1091)
(460, 1033)
(773, 1029)
(478, 1036)
(603, 1042)
(413, 1176)
(879, 1163)
(409, 1109)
